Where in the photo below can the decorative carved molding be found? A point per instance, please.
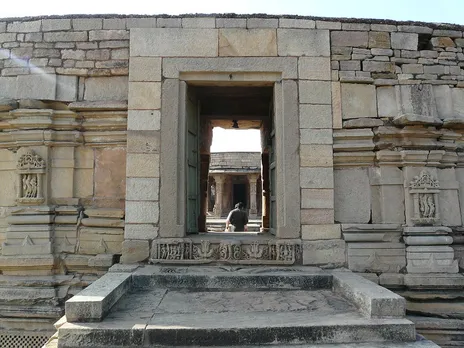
(31, 167)
(425, 189)
(206, 251)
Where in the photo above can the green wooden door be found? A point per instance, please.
(193, 167)
(272, 175)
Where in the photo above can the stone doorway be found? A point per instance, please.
(240, 194)
(227, 107)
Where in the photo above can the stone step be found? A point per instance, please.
(235, 329)
(416, 344)
(171, 306)
(271, 328)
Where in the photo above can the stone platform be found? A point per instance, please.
(212, 306)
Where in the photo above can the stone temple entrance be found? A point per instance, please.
(228, 178)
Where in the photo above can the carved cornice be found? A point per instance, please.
(95, 123)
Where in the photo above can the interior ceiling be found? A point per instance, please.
(242, 124)
(249, 106)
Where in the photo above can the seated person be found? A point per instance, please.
(237, 218)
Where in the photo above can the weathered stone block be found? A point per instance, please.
(373, 300)
(362, 123)
(404, 41)
(106, 88)
(66, 88)
(157, 42)
(143, 165)
(65, 36)
(200, 22)
(114, 23)
(143, 120)
(349, 38)
(303, 42)
(316, 178)
(374, 66)
(314, 68)
(143, 212)
(135, 251)
(143, 141)
(316, 156)
(386, 102)
(444, 102)
(40, 86)
(379, 39)
(252, 42)
(457, 95)
(137, 22)
(56, 24)
(324, 252)
(231, 22)
(317, 216)
(317, 198)
(103, 35)
(142, 189)
(24, 27)
(169, 22)
(320, 232)
(297, 23)
(262, 23)
(140, 231)
(144, 95)
(416, 100)
(87, 23)
(316, 136)
(358, 101)
(352, 196)
(312, 92)
(315, 116)
(94, 302)
(110, 173)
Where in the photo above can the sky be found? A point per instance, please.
(444, 11)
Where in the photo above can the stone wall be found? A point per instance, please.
(369, 119)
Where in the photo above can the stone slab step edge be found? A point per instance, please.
(96, 336)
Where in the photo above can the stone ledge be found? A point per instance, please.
(373, 300)
(94, 302)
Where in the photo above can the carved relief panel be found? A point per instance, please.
(31, 169)
(424, 190)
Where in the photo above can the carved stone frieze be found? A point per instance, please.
(31, 167)
(230, 251)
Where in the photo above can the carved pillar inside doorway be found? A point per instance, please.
(252, 178)
(219, 179)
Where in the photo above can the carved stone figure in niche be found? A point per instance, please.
(30, 186)
(424, 190)
(31, 168)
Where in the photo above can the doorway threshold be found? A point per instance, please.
(232, 236)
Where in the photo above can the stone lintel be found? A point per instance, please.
(373, 300)
(95, 301)
(288, 66)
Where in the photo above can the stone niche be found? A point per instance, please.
(31, 170)
(424, 190)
